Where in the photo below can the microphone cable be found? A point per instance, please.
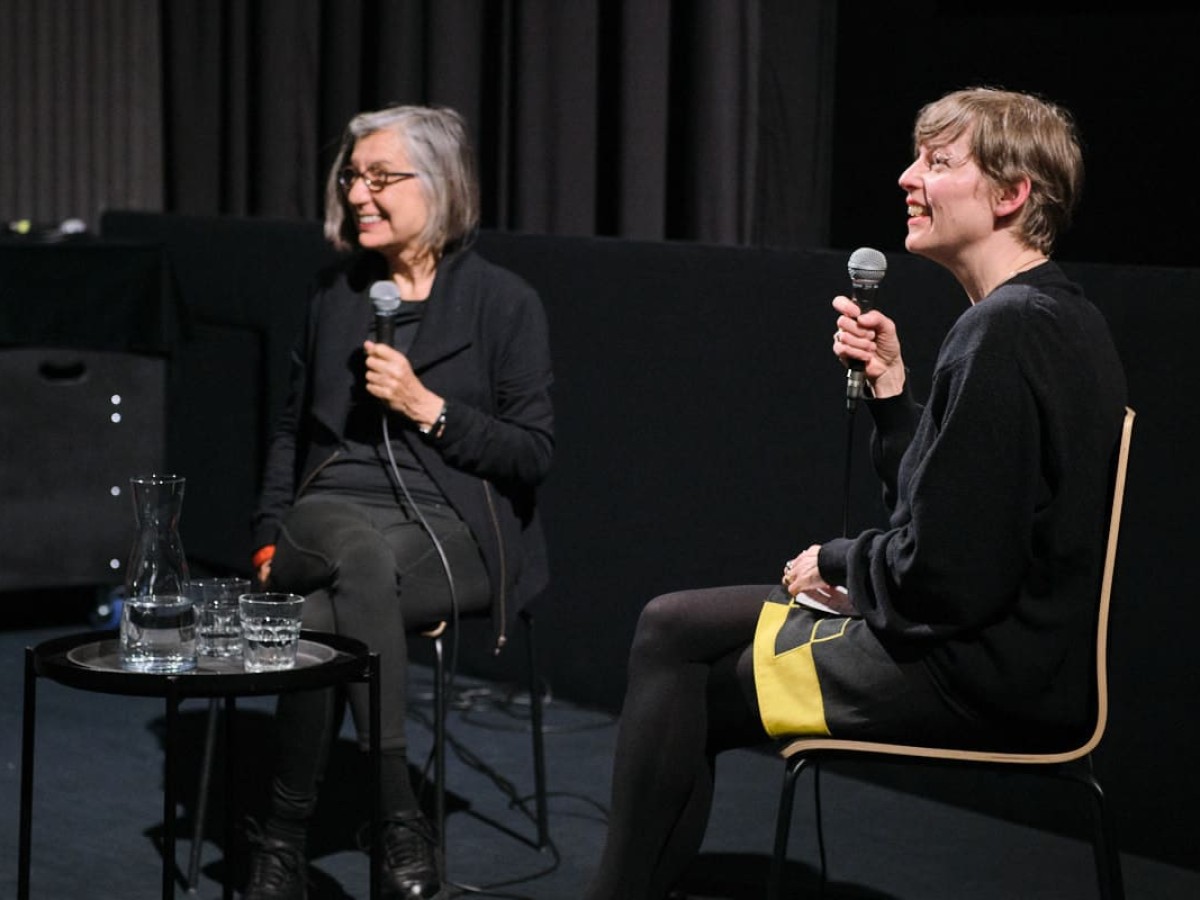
(846, 471)
(386, 301)
(492, 890)
(441, 552)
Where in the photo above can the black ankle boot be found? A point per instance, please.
(277, 871)
(410, 869)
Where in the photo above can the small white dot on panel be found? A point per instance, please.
(114, 564)
(115, 490)
(116, 418)
(116, 399)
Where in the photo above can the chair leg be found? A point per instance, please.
(28, 731)
(439, 739)
(1106, 849)
(376, 878)
(820, 828)
(791, 774)
(535, 722)
(1104, 844)
(1108, 855)
(783, 825)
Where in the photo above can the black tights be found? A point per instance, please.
(690, 695)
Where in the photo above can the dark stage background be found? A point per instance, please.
(672, 178)
(701, 439)
(1126, 71)
(768, 123)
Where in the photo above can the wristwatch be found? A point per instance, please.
(439, 425)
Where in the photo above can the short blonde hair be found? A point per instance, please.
(1014, 135)
(435, 141)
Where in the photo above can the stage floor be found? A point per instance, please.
(98, 810)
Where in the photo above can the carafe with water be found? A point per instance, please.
(158, 620)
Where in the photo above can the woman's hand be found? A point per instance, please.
(871, 339)
(801, 576)
(391, 378)
(801, 573)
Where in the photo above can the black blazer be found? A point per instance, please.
(483, 344)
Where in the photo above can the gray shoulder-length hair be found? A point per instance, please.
(435, 140)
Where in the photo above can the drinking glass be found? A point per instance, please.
(218, 622)
(270, 630)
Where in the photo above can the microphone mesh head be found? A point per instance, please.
(386, 297)
(867, 266)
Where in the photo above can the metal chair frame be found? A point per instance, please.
(1074, 764)
(440, 690)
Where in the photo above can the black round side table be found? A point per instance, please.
(90, 662)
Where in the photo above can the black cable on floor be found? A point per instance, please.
(466, 701)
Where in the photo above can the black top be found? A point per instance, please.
(363, 469)
(483, 345)
(989, 568)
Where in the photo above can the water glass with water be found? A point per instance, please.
(158, 634)
(218, 622)
(270, 630)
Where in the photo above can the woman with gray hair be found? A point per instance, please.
(400, 485)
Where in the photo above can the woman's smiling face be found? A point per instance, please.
(950, 201)
(390, 220)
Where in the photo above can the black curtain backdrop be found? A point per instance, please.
(636, 118)
(80, 109)
(1127, 71)
(770, 123)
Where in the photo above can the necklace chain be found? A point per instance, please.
(1038, 260)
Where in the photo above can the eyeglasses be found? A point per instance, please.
(374, 179)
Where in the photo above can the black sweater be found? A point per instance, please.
(989, 568)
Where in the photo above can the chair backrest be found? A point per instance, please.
(1110, 563)
(803, 744)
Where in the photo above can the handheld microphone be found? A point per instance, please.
(867, 268)
(386, 298)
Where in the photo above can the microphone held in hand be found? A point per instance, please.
(386, 298)
(867, 268)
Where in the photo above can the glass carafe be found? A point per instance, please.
(158, 621)
(157, 564)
